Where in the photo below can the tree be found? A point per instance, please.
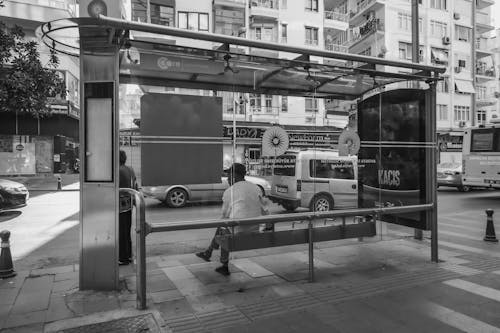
(25, 84)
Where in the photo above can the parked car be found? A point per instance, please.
(317, 179)
(177, 196)
(12, 194)
(450, 174)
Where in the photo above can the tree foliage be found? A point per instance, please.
(25, 84)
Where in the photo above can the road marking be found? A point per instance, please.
(469, 248)
(458, 320)
(475, 288)
(456, 234)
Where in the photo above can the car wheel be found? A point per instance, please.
(321, 203)
(289, 207)
(262, 191)
(464, 188)
(176, 198)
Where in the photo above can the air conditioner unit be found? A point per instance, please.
(462, 124)
(458, 69)
(456, 16)
(461, 63)
(446, 40)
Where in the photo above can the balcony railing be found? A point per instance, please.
(312, 42)
(336, 48)
(485, 72)
(363, 4)
(366, 29)
(69, 5)
(331, 15)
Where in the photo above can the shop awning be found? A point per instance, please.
(464, 87)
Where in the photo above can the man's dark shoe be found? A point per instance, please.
(224, 270)
(123, 262)
(203, 256)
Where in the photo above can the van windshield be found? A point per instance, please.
(285, 165)
(331, 169)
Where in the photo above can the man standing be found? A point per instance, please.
(127, 180)
(241, 200)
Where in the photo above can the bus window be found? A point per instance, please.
(482, 140)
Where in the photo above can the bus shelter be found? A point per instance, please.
(179, 81)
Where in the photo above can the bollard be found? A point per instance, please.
(490, 227)
(6, 266)
(59, 184)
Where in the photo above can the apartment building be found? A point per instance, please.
(33, 146)
(449, 35)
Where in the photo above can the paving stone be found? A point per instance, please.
(168, 295)
(66, 276)
(53, 270)
(205, 303)
(92, 304)
(26, 318)
(251, 268)
(58, 309)
(168, 263)
(14, 282)
(34, 295)
(174, 308)
(64, 286)
(8, 296)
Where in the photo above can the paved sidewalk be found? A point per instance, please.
(386, 285)
(48, 182)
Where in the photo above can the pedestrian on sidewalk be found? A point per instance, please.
(127, 180)
(241, 200)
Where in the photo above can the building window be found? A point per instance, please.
(162, 15)
(264, 34)
(311, 36)
(406, 51)
(439, 56)
(463, 62)
(193, 21)
(139, 11)
(442, 86)
(439, 4)
(439, 29)
(481, 92)
(442, 111)
(461, 113)
(462, 33)
(311, 105)
(284, 103)
(268, 100)
(404, 21)
(284, 4)
(255, 104)
(312, 5)
(284, 33)
(481, 116)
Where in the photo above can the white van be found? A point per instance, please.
(319, 180)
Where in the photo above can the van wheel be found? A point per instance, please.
(289, 207)
(176, 198)
(464, 188)
(321, 203)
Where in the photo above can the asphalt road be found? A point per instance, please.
(47, 234)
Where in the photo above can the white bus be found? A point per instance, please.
(481, 156)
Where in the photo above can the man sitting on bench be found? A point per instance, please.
(241, 200)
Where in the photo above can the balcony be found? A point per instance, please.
(335, 20)
(357, 17)
(39, 10)
(337, 48)
(483, 23)
(360, 33)
(485, 73)
(481, 4)
(230, 3)
(483, 48)
(264, 8)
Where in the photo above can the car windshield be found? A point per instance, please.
(449, 165)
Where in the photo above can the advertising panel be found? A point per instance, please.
(392, 158)
(181, 141)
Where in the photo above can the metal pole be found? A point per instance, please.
(415, 55)
(473, 64)
(432, 183)
(141, 233)
(311, 251)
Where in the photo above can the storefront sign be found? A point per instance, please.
(244, 132)
(19, 147)
(449, 142)
(310, 140)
